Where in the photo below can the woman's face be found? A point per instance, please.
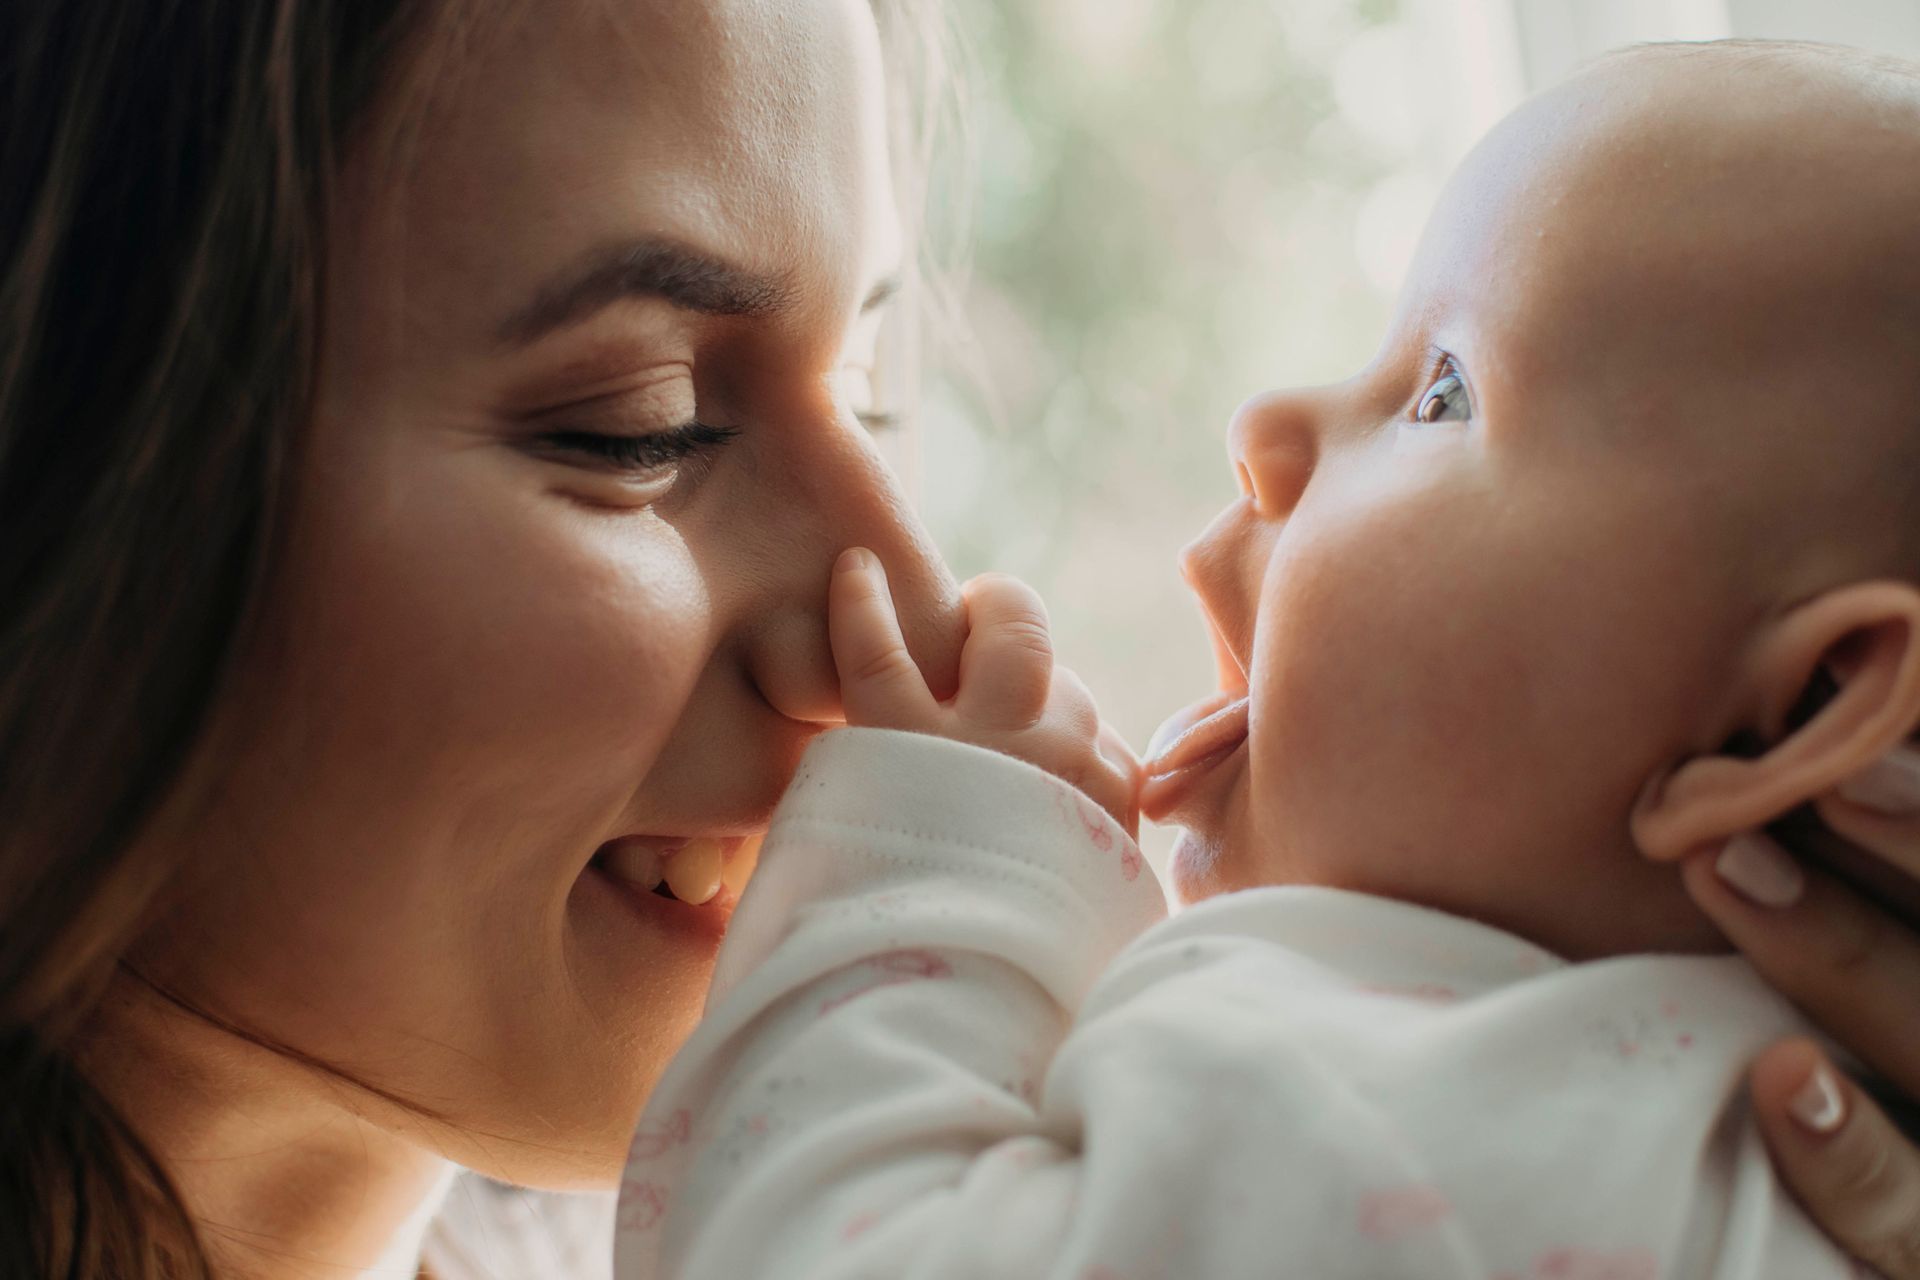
(498, 641)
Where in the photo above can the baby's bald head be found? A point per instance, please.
(1628, 489)
(1821, 144)
(1733, 230)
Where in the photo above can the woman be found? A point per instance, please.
(425, 431)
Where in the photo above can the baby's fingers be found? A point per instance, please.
(1840, 1154)
(1006, 668)
(1120, 781)
(880, 684)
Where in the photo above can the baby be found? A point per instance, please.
(1611, 548)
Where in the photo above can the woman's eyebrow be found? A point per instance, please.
(684, 277)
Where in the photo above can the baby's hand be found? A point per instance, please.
(1012, 698)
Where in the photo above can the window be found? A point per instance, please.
(1182, 202)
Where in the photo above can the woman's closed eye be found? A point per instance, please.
(628, 470)
(642, 454)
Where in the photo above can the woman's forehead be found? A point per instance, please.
(749, 131)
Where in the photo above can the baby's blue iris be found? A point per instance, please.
(1445, 401)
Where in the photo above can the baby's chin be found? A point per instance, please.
(1200, 868)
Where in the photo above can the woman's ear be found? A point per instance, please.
(1830, 687)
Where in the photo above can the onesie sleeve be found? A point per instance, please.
(882, 1086)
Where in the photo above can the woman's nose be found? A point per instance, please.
(1273, 443)
(840, 493)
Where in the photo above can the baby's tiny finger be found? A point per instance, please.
(1006, 669)
(1856, 1174)
(1118, 751)
(1118, 754)
(880, 684)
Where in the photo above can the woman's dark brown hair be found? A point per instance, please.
(165, 169)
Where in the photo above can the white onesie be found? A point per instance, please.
(952, 1034)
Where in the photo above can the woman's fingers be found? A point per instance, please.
(880, 684)
(1852, 967)
(1892, 835)
(1856, 1173)
(1006, 669)
(1889, 787)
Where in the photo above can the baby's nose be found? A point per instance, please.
(1274, 445)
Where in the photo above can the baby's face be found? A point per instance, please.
(1479, 594)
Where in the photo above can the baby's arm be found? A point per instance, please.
(876, 1090)
(924, 920)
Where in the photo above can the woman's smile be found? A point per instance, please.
(695, 870)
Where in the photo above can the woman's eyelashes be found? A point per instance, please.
(643, 455)
(653, 457)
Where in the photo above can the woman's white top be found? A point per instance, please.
(953, 1034)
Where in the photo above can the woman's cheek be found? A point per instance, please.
(522, 633)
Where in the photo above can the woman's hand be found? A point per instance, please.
(1012, 697)
(1853, 964)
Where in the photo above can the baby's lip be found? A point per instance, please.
(1183, 749)
(1178, 725)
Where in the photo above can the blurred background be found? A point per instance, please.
(1177, 203)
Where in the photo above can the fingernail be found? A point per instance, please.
(1891, 785)
(1819, 1106)
(1760, 871)
(857, 560)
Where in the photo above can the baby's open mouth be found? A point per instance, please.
(694, 871)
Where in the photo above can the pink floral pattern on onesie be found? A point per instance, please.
(1393, 1212)
(1575, 1263)
(661, 1136)
(892, 969)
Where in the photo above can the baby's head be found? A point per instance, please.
(1618, 536)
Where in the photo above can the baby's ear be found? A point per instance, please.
(1830, 687)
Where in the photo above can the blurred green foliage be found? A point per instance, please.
(1163, 212)
(1164, 221)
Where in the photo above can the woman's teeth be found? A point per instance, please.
(634, 861)
(695, 872)
(741, 864)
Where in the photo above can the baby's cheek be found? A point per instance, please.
(1375, 720)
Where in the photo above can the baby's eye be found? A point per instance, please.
(1445, 401)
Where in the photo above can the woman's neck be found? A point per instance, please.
(277, 1163)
